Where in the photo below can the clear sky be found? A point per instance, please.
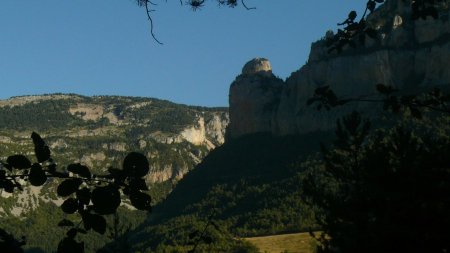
(104, 47)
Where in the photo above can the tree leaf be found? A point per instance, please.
(72, 233)
(65, 223)
(70, 206)
(138, 184)
(352, 15)
(371, 5)
(18, 162)
(7, 185)
(41, 149)
(80, 170)
(37, 176)
(141, 200)
(86, 217)
(106, 199)
(98, 223)
(84, 196)
(135, 165)
(68, 186)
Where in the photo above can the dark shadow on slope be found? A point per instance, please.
(251, 183)
(257, 158)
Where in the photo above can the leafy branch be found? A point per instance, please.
(355, 32)
(89, 195)
(200, 236)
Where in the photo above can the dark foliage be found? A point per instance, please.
(356, 32)
(89, 195)
(386, 191)
(10, 244)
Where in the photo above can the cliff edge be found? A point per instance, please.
(406, 54)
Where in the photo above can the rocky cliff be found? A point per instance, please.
(406, 54)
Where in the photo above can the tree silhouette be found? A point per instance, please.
(354, 32)
(387, 189)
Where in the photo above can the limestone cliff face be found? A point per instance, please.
(210, 132)
(207, 131)
(407, 54)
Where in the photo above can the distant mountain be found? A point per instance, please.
(99, 131)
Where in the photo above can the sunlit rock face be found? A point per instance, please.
(260, 66)
(210, 132)
(410, 55)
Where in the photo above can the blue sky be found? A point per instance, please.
(94, 47)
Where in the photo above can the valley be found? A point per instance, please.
(354, 143)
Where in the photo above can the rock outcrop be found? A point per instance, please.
(407, 54)
(254, 97)
(260, 66)
(210, 132)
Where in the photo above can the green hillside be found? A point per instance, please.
(248, 187)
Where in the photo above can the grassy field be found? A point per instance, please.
(292, 243)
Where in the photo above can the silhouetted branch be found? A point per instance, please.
(95, 179)
(245, 6)
(151, 22)
(434, 101)
(203, 233)
(194, 4)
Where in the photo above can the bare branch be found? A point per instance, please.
(151, 22)
(245, 6)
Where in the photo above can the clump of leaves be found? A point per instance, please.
(355, 32)
(89, 195)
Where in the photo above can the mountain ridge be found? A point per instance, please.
(406, 54)
(99, 131)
